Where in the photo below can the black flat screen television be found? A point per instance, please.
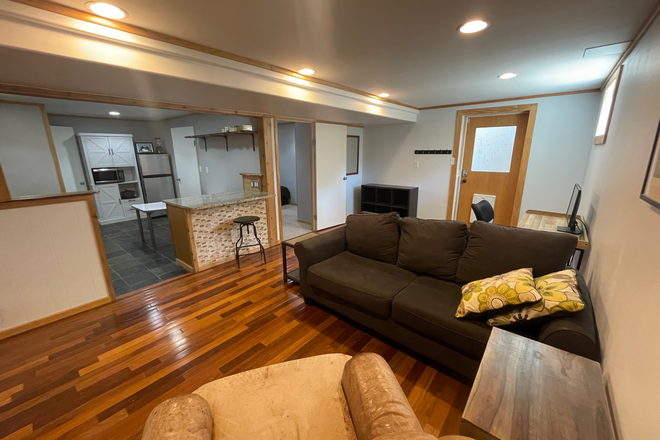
(571, 213)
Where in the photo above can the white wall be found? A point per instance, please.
(622, 264)
(303, 170)
(25, 153)
(142, 131)
(224, 167)
(354, 182)
(69, 158)
(560, 148)
(49, 262)
(286, 142)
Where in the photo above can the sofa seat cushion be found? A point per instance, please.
(494, 249)
(431, 247)
(360, 282)
(374, 236)
(427, 306)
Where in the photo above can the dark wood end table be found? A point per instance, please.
(294, 275)
(528, 390)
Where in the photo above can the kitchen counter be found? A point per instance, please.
(215, 200)
(203, 228)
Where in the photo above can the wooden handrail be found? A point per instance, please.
(22, 202)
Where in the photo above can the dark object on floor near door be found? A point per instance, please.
(403, 279)
(286, 195)
(483, 211)
(246, 222)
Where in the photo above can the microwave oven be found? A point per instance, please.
(107, 175)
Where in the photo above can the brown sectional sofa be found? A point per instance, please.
(402, 279)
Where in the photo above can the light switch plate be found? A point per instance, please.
(207, 170)
(416, 164)
(452, 161)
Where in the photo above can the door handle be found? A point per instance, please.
(464, 181)
(178, 179)
(345, 178)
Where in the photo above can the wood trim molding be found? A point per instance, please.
(4, 334)
(278, 185)
(77, 14)
(638, 37)
(461, 118)
(22, 202)
(312, 167)
(492, 101)
(265, 133)
(53, 150)
(4, 189)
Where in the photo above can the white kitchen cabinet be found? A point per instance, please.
(108, 202)
(107, 150)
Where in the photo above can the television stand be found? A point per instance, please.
(576, 231)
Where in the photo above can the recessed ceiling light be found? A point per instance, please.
(507, 75)
(307, 71)
(115, 113)
(473, 26)
(383, 95)
(106, 10)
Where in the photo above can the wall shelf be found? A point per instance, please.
(225, 136)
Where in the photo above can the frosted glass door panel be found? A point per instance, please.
(493, 149)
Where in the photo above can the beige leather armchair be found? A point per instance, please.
(328, 397)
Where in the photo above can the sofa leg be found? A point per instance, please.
(309, 301)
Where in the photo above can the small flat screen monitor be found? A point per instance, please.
(571, 213)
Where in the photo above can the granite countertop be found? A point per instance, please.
(215, 200)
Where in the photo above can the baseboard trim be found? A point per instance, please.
(185, 266)
(4, 334)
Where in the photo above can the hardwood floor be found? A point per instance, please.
(99, 374)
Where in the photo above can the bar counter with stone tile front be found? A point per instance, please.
(203, 230)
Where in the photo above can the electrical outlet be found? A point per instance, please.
(207, 170)
(416, 164)
(453, 161)
(200, 168)
(254, 184)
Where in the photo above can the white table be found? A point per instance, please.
(148, 208)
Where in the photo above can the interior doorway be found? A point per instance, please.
(491, 153)
(294, 141)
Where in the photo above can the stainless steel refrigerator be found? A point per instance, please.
(156, 176)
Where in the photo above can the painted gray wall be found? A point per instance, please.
(286, 141)
(303, 170)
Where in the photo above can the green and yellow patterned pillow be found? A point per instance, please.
(493, 296)
(561, 297)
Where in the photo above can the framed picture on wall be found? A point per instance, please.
(651, 189)
(144, 147)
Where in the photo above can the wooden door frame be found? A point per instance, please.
(462, 117)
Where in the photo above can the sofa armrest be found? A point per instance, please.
(576, 334)
(377, 404)
(317, 249)
(185, 417)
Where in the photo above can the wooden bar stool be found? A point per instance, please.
(247, 221)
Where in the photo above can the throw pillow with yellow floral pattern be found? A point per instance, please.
(495, 295)
(561, 297)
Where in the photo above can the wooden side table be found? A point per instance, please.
(294, 275)
(528, 390)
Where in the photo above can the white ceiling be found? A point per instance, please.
(411, 49)
(93, 109)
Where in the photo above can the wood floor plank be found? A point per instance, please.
(100, 373)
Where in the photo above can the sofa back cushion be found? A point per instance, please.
(494, 249)
(374, 236)
(431, 247)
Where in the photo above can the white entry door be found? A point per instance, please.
(330, 175)
(185, 159)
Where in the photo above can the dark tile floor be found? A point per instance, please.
(134, 264)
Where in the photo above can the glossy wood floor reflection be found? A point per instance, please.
(97, 375)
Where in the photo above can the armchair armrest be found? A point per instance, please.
(378, 406)
(185, 417)
(576, 334)
(317, 249)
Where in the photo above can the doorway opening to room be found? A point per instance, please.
(491, 152)
(294, 141)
